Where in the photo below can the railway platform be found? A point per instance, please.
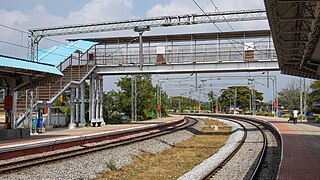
(65, 138)
(301, 149)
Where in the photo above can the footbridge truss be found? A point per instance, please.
(242, 51)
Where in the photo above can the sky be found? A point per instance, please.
(23, 15)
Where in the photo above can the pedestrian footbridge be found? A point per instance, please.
(92, 58)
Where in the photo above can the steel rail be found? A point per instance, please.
(262, 153)
(231, 155)
(23, 164)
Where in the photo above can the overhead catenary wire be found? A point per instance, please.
(230, 41)
(215, 24)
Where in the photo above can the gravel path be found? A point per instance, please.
(89, 166)
(211, 163)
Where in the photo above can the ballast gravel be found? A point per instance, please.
(89, 166)
(212, 162)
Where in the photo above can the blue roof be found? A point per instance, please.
(11, 62)
(57, 54)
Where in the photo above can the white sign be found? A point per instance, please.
(248, 46)
(161, 50)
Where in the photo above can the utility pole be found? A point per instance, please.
(199, 99)
(134, 98)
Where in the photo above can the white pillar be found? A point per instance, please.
(14, 110)
(72, 125)
(49, 115)
(92, 101)
(82, 107)
(101, 101)
(97, 87)
(77, 105)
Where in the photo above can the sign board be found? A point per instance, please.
(248, 46)
(161, 50)
(275, 105)
(158, 107)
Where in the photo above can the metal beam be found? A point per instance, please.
(176, 68)
(164, 21)
(295, 31)
(296, 1)
(296, 18)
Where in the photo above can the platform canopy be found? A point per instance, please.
(57, 54)
(295, 27)
(20, 74)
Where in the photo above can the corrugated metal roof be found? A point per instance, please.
(11, 62)
(57, 54)
(295, 30)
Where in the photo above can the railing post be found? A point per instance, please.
(95, 55)
(79, 66)
(49, 91)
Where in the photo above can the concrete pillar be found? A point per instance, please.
(31, 108)
(82, 107)
(72, 125)
(49, 116)
(77, 105)
(101, 101)
(14, 110)
(97, 99)
(92, 102)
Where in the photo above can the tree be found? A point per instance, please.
(110, 105)
(314, 97)
(145, 96)
(243, 99)
(213, 100)
(289, 97)
(184, 102)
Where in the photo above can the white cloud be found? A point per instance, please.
(38, 16)
(177, 7)
(102, 10)
(12, 18)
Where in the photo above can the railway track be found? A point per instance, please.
(22, 164)
(253, 157)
